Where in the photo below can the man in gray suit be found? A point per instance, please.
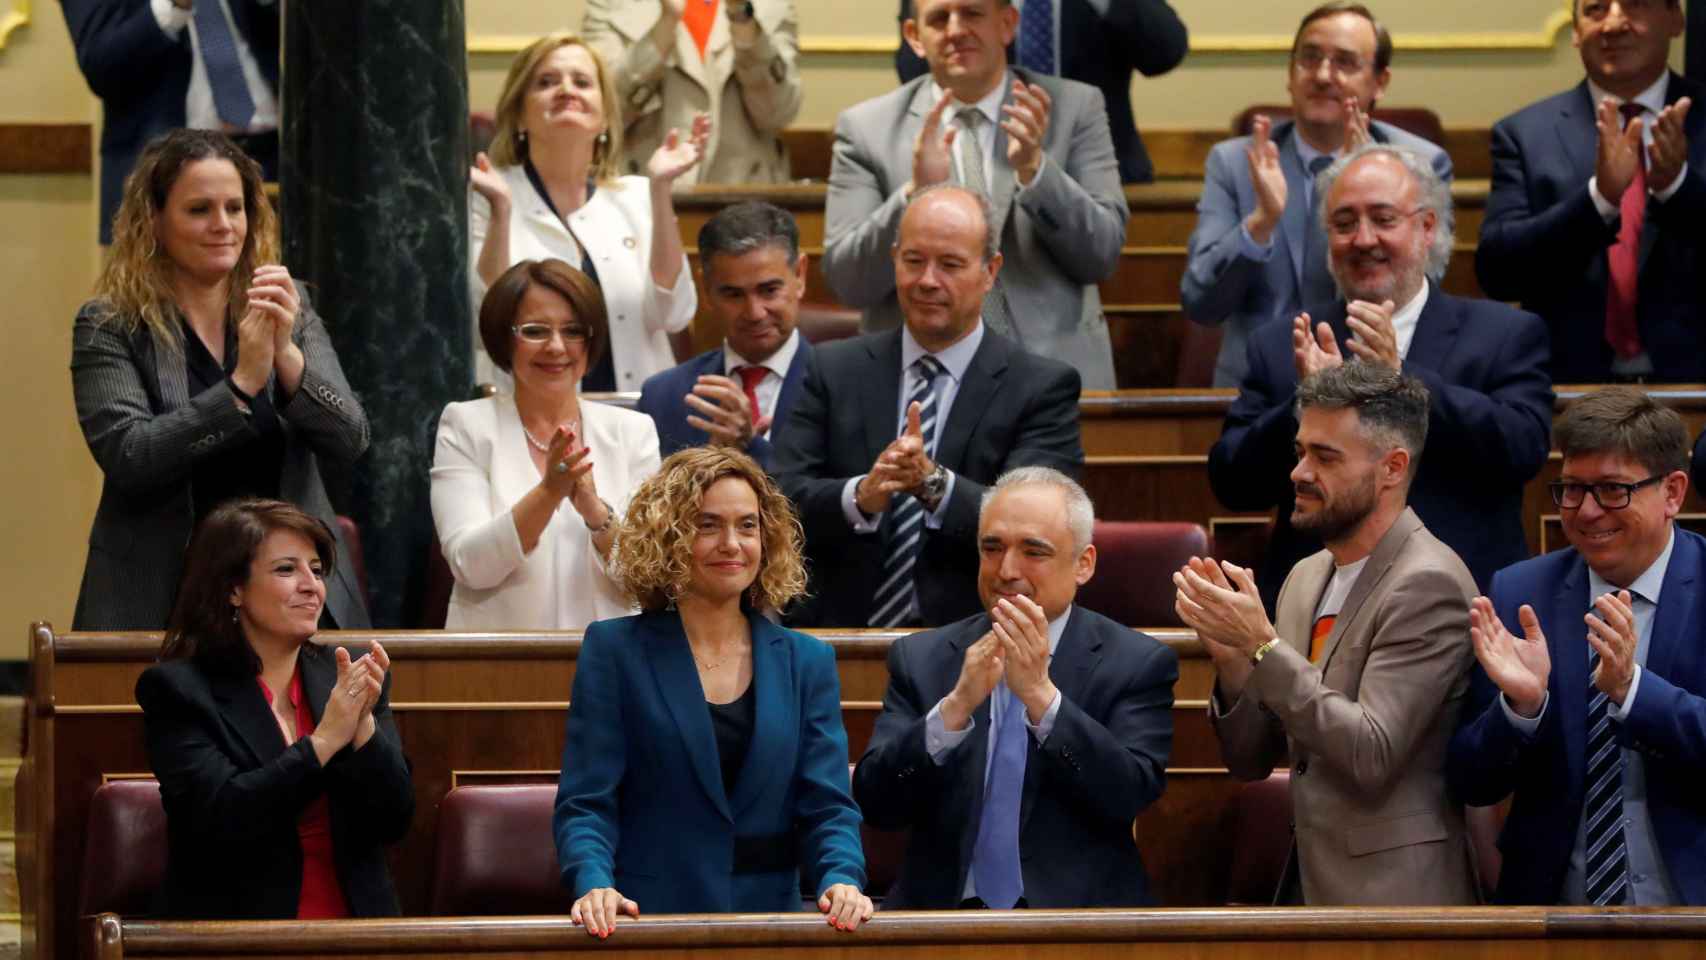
(1257, 253)
(1038, 147)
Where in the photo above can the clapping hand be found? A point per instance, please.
(1356, 125)
(675, 156)
(980, 670)
(1611, 631)
(1373, 338)
(1026, 124)
(1313, 347)
(901, 467)
(1618, 156)
(1518, 666)
(1268, 179)
(1022, 627)
(722, 411)
(1668, 153)
(933, 151)
(488, 183)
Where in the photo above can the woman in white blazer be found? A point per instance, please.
(527, 486)
(550, 189)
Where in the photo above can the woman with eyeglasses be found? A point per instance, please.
(527, 486)
(551, 188)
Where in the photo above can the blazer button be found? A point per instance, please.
(1302, 767)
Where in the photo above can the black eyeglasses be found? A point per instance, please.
(1609, 494)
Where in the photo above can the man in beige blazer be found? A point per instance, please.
(1361, 679)
(747, 79)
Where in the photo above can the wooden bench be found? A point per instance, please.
(1234, 934)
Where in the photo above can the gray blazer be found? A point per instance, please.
(146, 432)
(1221, 286)
(1059, 237)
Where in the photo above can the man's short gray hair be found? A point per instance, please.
(743, 227)
(991, 244)
(1080, 513)
(1432, 193)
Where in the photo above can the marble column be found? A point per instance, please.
(372, 181)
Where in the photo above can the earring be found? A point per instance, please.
(670, 593)
(604, 138)
(755, 595)
(234, 618)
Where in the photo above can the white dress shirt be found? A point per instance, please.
(769, 390)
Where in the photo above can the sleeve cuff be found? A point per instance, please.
(1675, 185)
(933, 518)
(1527, 726)
(1042, 167)
(171, 17)
(938, 739)
(856, 519)
(1619, 711)
(1607, 210)
(1042, 728)
(1249, 249)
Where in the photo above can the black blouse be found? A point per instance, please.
(250, 469)
(733, 724)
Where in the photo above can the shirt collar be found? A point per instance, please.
(1651, 99)
(1307, 153)
(1057, 629)
(989, 106)
(778, 363)
(956, 359)
(1646, 586)
(1407, 317)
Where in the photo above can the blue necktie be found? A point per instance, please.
(1606, 871)
(219, 58)
(995, 858)
(896, 600)
(1318, 286)
(1036, 36)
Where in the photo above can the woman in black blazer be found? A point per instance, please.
(280, 769)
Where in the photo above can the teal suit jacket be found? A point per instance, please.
(641, 804)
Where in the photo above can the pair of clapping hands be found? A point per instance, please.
(843, 906)
(901, 467)
(348, 717)
(1026, 123)
(1267, 177)
(1014, 649)
(263, 332)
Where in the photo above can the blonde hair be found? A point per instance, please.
(135, 286)
(652, 554)
(509, 145)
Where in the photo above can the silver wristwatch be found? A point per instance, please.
(932, 488)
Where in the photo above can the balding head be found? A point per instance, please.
(945, 262)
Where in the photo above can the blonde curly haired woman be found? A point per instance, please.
(706, 764)
(201, 374)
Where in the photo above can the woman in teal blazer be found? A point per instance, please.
(706, 764)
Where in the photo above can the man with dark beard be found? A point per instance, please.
(1360, 677)
(1387, 218)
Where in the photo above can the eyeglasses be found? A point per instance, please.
(1382, 219)
(1609, 494)
(1344, 64)
(541, 333)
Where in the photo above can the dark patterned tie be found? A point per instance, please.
(896, 600)
(219, 58)
(1607, 867)
(1036, 36)
(1317, 280)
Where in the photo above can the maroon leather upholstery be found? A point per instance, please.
(1135, 563)
(820, 322)
(1258, 829)
(1484, 825)
(496, 854)
(124, 849)
(1420, 121)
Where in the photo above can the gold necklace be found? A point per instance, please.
(709, 666)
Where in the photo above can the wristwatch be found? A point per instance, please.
(739, 11)
(1262, 651)
(932, 488)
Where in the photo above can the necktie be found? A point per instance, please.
(1318, 636)
(1036, 36)
(970, 120)
(1606, 871)
(1622, 260)
(219, 58)
(896, 599)
(1318, 286)
(995, 857)
(751, 376)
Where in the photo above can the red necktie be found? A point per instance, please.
(1623, 259)
(750, 377)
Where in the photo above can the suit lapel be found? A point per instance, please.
(513, 472)
(170, 372)
(1295, 619)
(1693, 126)
(770, 675)
(678, 686)
(1676, 616)
(1379, 562)
(881, 398)
(687, 58)
(244, 709)
(1566, 639)
(1074, 661)
(1436, 330)
(791, 384)
(1577, 135)
(1002, 182)
(972, 756)
(319, 674)
(972, 400)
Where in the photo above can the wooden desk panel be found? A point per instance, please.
(1244, 934)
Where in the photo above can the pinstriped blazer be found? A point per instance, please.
(146, 433)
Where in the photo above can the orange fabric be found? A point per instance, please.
(700, 16)
(1318, 636)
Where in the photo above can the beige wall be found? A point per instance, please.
(1471, 60)
(48, 257)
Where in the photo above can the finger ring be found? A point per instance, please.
(561, 466)
(353, 692)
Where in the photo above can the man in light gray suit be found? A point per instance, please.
(1037, 146)
(1257, 253)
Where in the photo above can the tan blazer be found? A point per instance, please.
(750, 94)
(1366, 731)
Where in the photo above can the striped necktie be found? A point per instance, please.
(896, 600)
(1606, 871)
